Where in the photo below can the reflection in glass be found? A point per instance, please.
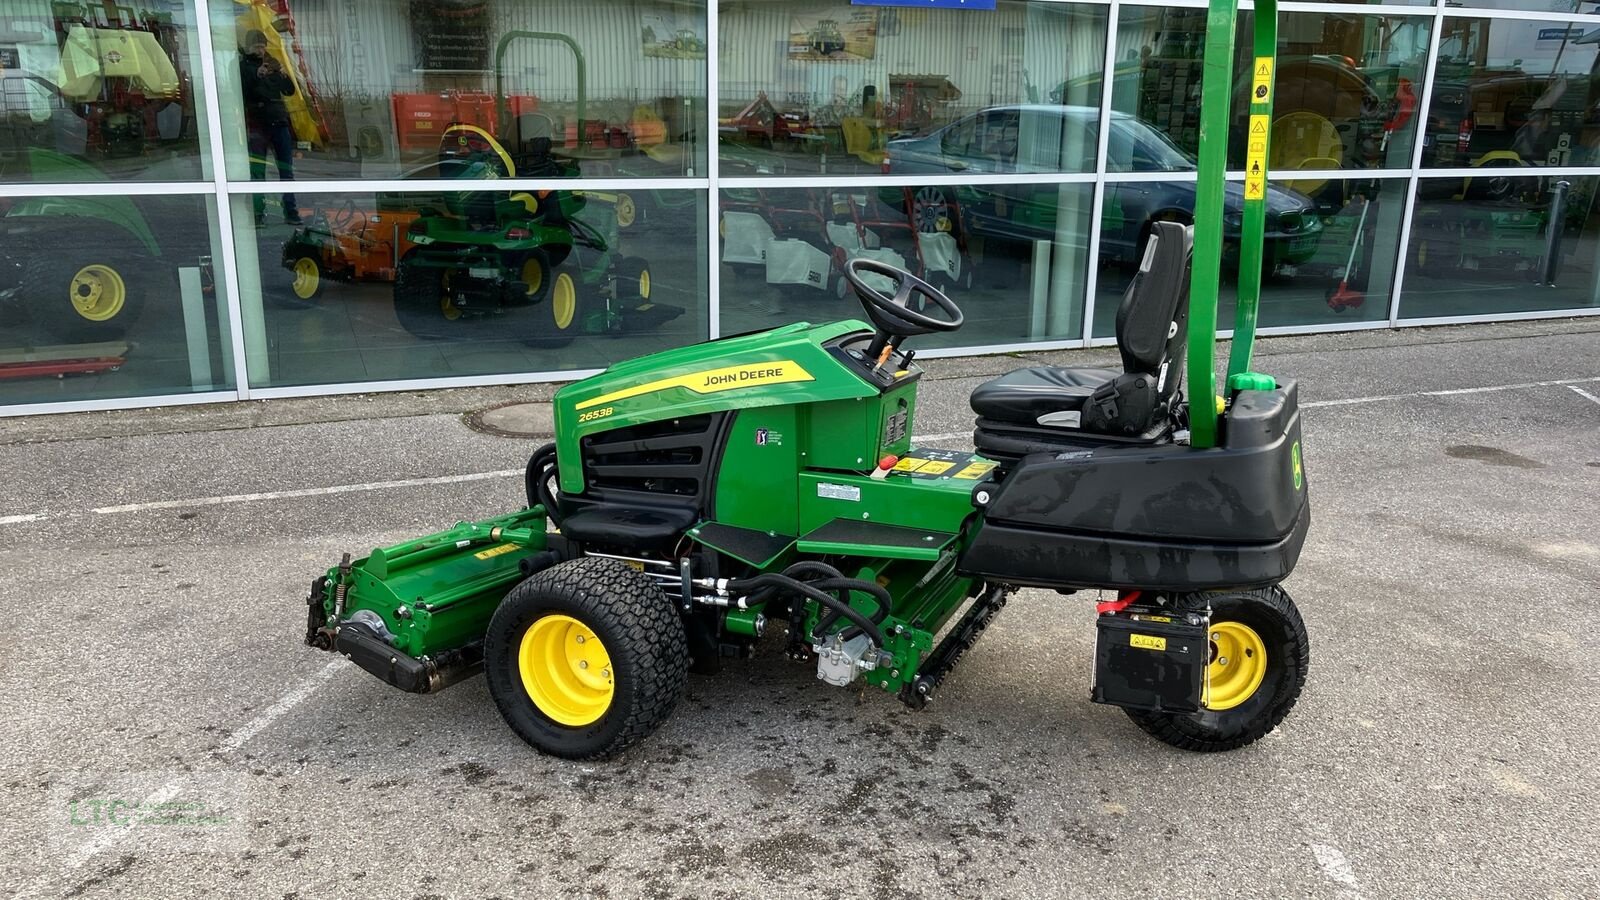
(1345, 93)
(108, 297)
(1514, 93)
(1013, 256)
(1501, 242)
(98, 92)
(389, 286)
(834, 88)
(619, 85)
(1329, 251)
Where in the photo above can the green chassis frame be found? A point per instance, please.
(805, 420)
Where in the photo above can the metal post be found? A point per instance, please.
(1552, 234)
(1216, 97)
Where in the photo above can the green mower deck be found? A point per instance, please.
(699, 499)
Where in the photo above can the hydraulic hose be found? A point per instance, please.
(784, 583)
(834, 580)
(537, 480)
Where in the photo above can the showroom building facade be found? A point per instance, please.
(509, 191)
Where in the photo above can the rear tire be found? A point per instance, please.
(560, 317)
(1269, 614)
(634, 285)
(420, 301)
(533, 649)
(85, 296)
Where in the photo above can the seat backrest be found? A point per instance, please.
(1154, 315)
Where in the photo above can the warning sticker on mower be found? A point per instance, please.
(975, 471)
(1147, 641)
(1255, 164)
(929, 463)
(1261, 83)
(839, 492)
(492, 552)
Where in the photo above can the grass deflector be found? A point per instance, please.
(698, 498)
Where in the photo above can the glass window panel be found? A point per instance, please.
(1543, 6)
(1345, 94)
(387, 88)
(108, 297)
(1503, 244)
(1330, 248)
(1013, 256)
(832, 88)
(425, 285)
(1514, 93)
(100, 92)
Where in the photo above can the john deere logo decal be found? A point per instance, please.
(1299, 471)
(713, 381)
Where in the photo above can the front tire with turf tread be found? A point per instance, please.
(1272, 614)
(633, 619)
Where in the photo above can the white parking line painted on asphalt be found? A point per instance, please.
(231, 743)
(1570, 383)
(1335, 866)
(303, 492)
(1582, 393)
(1453, 392)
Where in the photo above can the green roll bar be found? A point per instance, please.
(501, 104)
(1206, 278)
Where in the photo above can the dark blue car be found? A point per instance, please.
(1035, 139)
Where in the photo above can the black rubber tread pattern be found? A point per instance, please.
(1273, 615)
(47, 276)
(642, 633)
(417, 292)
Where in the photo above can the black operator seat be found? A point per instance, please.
(1078, 402)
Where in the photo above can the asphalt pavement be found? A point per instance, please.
(154, 564)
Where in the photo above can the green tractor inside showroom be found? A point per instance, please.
(697, 499)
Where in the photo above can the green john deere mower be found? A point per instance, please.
(697, 499)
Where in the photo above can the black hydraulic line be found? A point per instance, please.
(785, 583)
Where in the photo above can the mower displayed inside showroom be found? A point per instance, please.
(697, 498)
(271, 198)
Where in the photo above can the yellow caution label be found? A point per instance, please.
(711, 381)
(1255, 164)
(975, 471)
(492, 552)
(1154, 618)
(936, 467)
(1147, 641)
(1261, 83)
(909, 464)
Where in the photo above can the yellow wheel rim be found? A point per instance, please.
(565, 670)
(625, 211)
(564, 301)
(644, 285)
(307, 275)
(1238, 665)
(447, 300)
(533, 276)
(98, 293)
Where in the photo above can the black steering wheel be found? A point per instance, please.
(893, 315)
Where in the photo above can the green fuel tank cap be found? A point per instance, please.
(1252, 381)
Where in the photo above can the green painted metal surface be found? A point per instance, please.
(437, 592)
(1206, 279)
(755, 481)
(781, 367)
(899, 500)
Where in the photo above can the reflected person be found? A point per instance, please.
(266, 120)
